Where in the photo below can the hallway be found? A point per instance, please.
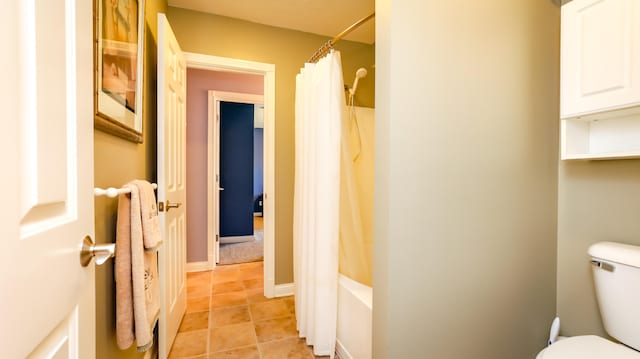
(228, 317)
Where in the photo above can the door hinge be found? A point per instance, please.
(217, 178)
(217, 238)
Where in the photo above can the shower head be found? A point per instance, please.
(362, 72)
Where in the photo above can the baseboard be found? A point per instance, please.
(284, 290)
(269, 285)
(197, 266)
(237, 239)
(341, 351)
(152, 353)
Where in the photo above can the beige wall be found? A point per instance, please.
(288, 50)
(466, 178)
(597, 201)
(116, 162)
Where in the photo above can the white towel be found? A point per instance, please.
(149, 213)
(122, 272)
(144, 275)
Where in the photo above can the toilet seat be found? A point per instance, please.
(587, 347)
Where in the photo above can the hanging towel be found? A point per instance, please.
(149, 212)
(136, 273)
(122, 269)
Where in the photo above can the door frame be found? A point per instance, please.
(213, 159)
(268, 71)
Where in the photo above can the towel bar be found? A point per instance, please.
(101, 252)
(114, 192)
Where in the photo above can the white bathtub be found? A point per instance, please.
(354, 319)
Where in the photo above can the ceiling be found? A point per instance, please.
(323, 17)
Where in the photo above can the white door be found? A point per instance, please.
(47, 306)
(172, 92)
(214, 150)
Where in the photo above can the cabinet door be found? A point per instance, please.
(600, 63)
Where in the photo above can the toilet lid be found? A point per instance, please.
(588, 347)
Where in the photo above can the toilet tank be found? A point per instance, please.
(616, 273)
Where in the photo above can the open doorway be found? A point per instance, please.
(204, 243)
(237, 160)
(241, 210)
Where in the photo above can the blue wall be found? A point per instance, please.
(236, 169)
(258, 141)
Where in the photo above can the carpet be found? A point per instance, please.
(243, 252)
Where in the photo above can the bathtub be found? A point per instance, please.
(354, 319)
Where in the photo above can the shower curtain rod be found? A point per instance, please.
(329, 44)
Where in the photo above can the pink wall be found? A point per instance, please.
(199, 82)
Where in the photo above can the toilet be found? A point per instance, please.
(616, 274)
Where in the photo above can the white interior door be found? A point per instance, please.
(214, 109)
(172, 92)
(216, 192)
(47, 300)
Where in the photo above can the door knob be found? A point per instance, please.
(168, 206)
(101, 252)
(173, 205)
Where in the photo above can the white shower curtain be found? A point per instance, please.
(319, 109)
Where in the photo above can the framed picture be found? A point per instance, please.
(118, 62)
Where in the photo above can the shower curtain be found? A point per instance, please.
(356, 195)
(320, 104)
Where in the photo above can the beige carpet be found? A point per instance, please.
(244, 252)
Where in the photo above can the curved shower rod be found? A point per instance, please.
(329, 44)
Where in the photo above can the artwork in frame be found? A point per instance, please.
(118, 59)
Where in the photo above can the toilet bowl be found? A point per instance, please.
(616, 275)
(587, 347)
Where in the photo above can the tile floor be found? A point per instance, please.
(228, 317)
(258, 222)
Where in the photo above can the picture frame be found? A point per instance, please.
(119, 28)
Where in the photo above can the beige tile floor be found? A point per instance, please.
(228, 317)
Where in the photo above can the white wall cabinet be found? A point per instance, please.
(600, 79)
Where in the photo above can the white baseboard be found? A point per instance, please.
(152, 353)
(197, 266)
(284, 290)
(236, 239)
(269, 286)
(341, 351)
